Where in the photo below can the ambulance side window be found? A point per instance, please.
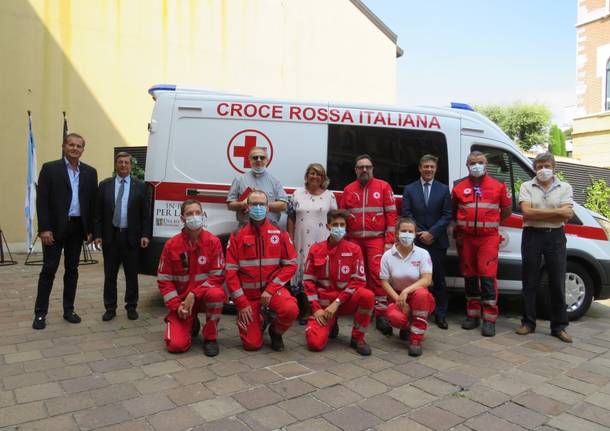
(503, 166)
(395, 153)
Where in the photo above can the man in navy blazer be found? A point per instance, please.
(429, 203)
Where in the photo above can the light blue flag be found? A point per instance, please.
(30, 187)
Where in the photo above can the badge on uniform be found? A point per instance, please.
(274, 239)
(202, 260)
(467, 191)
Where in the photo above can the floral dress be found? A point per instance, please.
(309, 212)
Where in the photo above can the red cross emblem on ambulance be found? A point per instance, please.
(240, 145)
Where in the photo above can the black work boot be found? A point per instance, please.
(404, 334)
(470, 323)
(196, 327)
(304, 309)
(277, 343)
(415, 349)
(210, 348)
(334, 332)
(488, 329)
(360, 346)
(383, 325)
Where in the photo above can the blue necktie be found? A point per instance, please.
(426, 192)
(116, 216)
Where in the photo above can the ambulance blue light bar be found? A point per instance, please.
(161, 87)
(458, 105)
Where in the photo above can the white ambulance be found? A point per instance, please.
(199, 141)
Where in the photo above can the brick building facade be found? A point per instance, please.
(592, 117)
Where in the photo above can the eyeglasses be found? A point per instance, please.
(362, 168)
(259, 157)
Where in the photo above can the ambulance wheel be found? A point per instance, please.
(579, 292)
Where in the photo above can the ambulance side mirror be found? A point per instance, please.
(152, 126)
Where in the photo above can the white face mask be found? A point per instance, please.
(406, 238)
(477, 170)
(194, 222)
(259, 170)
(544, 174)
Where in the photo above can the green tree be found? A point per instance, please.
(598, 197)
(524, 124)
(557, 141)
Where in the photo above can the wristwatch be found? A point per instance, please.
(338, 301)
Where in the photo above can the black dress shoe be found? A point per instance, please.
(72, 317)
(441, 322)
(39, 322)
(108, 315)
(210, 348)
(132, 314)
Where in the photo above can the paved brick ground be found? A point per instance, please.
(117, 375)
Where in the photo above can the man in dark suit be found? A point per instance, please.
(429, 203)
(122, 227)
(65, 203)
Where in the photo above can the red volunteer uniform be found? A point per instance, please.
(262, 260)
(333, 273)
(186, 266)
(371, 225)
(478, 239)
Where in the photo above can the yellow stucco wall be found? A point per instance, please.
(96, 59)
(591, 137)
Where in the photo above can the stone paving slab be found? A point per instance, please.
(117, 376)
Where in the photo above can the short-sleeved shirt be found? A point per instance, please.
(560, 193)
(265, 182)
(402, 271)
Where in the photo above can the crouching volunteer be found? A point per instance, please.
(406, 273)
(190, 277)
(335, 285)
(260, 261)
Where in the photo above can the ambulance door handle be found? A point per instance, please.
(206, 192)
(190, 108)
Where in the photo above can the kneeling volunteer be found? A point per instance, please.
(260, 261)
(406, 273)
(335, 285)
(190, 277)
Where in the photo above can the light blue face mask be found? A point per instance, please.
(258, 170)
(257, 212)
(477, 169)
(337, 232)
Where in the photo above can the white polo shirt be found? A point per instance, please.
(402, 271)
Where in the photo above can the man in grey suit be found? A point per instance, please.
(122, 227)
(429, 203)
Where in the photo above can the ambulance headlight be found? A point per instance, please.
(605, 224)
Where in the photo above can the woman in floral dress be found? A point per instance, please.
(307, 223)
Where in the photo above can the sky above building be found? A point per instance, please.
(484, 51)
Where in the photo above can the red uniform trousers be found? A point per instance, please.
(178, 331)
(479, 266)
(360, 305)
(283, 305)
(372, 250)
(421, 302)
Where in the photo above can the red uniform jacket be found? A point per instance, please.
(372, 210)
(478, 211)
(258, 260)
(339, 270)
(187, 266)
